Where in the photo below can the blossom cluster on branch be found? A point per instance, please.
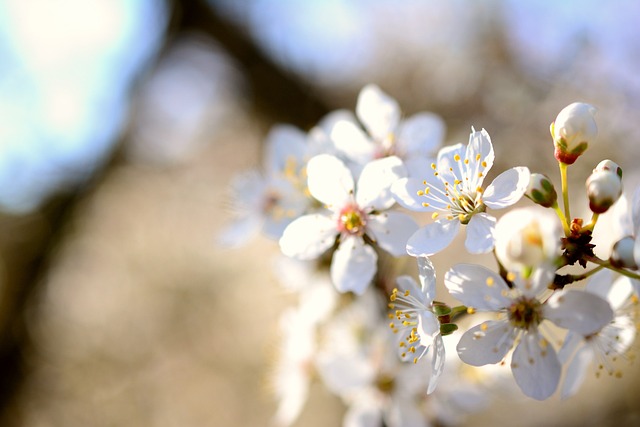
(341, 201)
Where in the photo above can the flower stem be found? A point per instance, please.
(607, 264)
(563, 219)
(565, 192)
(592, 223)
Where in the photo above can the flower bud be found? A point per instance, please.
(622, 254)
(526, 238)
(572, 131)
(609, 165)
(541, 190)
(603, 189)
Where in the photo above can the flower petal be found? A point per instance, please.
(353, 265)
(507, 188)
(449, 168)
(478, 287)
(480, 234)
(411, 193)
(373, 190)
(480, 155)
(535, 366)
(421, 134)
(309, 236)
(616, 294)
(391, 231)
(577, 310)
(432, 238)
(378, 112)
(349, 140)
(427, 277)
(486, 343)
(576, 371)
(437, 364)
(285, 143)
(329, 180)
(428, 326)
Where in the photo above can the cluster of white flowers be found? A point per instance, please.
(375, 336)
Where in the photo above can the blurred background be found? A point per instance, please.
(122, 122)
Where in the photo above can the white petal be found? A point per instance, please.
(353, 265)
(404, 413)
(421, 134)
(308, 237)
(616, 294)
(428, 326)
(577, 310)
(374, 184)
(449, 168)
(635, 212)
(478, 287)
(571, 342)
(378, 112)
(480, 155)
(543, 275)
(285, 143)
(507, 188)
(349, 139)
(535, 366)
(486, 343)
(427, 277)
(409, 193)
(329, 180)
(417, 165)
(391, 231)
(437, 365)
(480, 232)
(363, 415)
(617, 336)
(406, 283)
(576, 371)
(432, 238)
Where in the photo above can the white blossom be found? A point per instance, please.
(608, 343)
(534, 362)
(454, 188)
(415, 140)
(267, 200)
(353, 213)
(416, 324)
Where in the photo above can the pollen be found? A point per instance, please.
(471, 310)
(420, 193)
(484, 164)
(433, 166)
(490, 281)
(478, 156)
(435, 215)
(511, 277)
(466, 161)
(484, 327)
(456, 157)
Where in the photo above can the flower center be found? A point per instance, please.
(352, 220)
(525, 313)
(385, 383)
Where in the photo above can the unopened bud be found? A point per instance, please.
(610, 166)
(603, 189)
(573, 130)
(541, 190)
(622, 254)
